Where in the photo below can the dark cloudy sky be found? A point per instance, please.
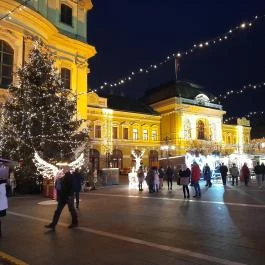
(129, 34)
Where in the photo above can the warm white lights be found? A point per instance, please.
(201, 45)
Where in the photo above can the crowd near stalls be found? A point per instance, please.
(194, 168)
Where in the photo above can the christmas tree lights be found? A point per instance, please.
(40, 114)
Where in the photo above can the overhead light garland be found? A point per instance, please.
(16, 9)
(238, 92)
(196, 46)
(248, 115)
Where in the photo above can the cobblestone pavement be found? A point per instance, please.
(122, 226)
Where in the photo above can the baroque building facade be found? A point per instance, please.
(62, 26)
(168, 121)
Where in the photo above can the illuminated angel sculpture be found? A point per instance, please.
(138, 159)
(50, 171)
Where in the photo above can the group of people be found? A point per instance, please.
(243, 173)
(185, 177)
(155, 177)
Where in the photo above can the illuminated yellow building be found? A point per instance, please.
(169, 121)
(176, 118)
(62, 26)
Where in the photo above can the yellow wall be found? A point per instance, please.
(99, 114)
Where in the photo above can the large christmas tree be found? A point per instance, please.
(40, 115)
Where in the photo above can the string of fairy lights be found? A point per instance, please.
(248, 115)
(244, 89)
(177, 55)
(18, 8)
(196, 47)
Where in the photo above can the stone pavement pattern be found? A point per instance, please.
(122, 226)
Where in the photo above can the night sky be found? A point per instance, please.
(130, 34)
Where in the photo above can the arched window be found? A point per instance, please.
(229, 141)
(6, 63)
(187, 129)
(200, 129)
(66, 78)
(66, 14)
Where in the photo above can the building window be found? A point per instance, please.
(6, 64)
(135, 134)
(66, 14)
(66, 78)
(145, 135)
(200, 129)
(125, 133)
(154, 136)
(97, 131)
(115, 132)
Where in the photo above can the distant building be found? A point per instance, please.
(168, 121)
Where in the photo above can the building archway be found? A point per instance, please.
(116, 159)
(94, 157)
(153, 158)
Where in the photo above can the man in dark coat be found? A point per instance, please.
(169, 176)
(223, 171)
(66, 197)
(78, 181)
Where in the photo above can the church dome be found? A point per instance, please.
(181, 89)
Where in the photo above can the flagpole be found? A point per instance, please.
(176, 67)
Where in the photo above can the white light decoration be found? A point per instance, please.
(212, 160)
(132, 176)
(238, 92)
(238, 159)
(50, 171)
(16, 9)
(197, 46)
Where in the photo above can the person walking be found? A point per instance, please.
(262, 166)
(140, 175)
(12, 182)
(3, 201)
(58, 183)
(66, 197)
(95, 178)
(156, 180)
(258, 173)
(169, 176)
(4, 170)
(223, 171)
(161, 173)
(207, 175)
(245, 173)
(234, 173)
(184, 175)
(195, 178)
(150, 179)
(78, 180)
